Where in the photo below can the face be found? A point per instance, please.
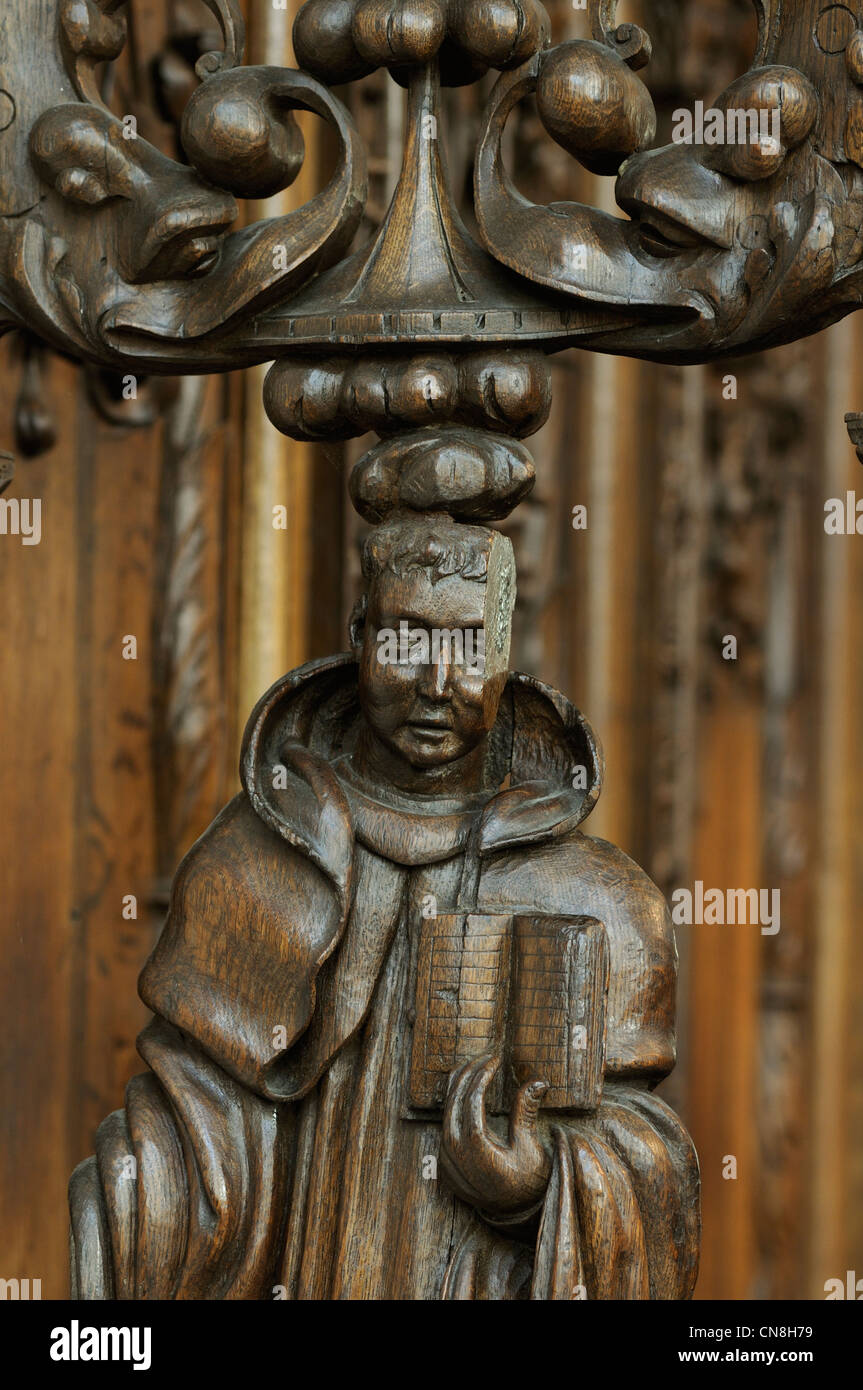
(130, 217)
(742, 233)
(751, 226)
(427, 700)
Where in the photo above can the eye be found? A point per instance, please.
(184, 258)
(414, 647)
(474, 647)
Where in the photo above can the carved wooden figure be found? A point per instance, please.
(409, 1014)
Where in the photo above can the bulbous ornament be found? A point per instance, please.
(324, 41)
(499, 33)
(768, 112)
(513, 394)
(470, 474)
(593, 105)
(342, 40)
(457, 67)
(239, 140)
(392, 33)
(346, 397)
(854, 58)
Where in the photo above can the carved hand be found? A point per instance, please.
(502, 1179)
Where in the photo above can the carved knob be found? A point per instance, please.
(854, 58)
(391, 33)
(593, 105)
(499, 33)
(239, 139)
(324, 41)
(785, 105)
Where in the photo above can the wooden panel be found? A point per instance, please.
(38, 791)
(853, 1041)
(275, 611)
(724, 997)
(114, 822)
(87, 745)
(838, 837)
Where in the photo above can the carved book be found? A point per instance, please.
(531, 989)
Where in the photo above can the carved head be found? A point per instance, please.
(758, 212)
(433, 636)
(112, 250)
(742, 211)
(744, 232)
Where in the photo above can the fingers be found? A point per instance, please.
(452, 1119)
(460, 1078)
(525, 1109)
(480, 1166)
(464, 1114)
(474, 1099)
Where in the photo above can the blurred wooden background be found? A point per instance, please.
(705, 519)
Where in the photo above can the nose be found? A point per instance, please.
(650, 188)
(434, 682)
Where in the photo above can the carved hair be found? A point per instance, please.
(432, 542)
(443, 548)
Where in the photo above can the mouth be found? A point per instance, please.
(432, 729)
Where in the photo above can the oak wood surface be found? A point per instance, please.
(729, 1209)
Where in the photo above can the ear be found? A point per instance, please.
(357, 624)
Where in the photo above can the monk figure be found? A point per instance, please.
(409, 1017)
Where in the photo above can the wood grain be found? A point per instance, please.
(663, 572)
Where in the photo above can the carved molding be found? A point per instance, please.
(728, 246)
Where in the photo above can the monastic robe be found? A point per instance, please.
(272, 1152)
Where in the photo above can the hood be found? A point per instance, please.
(307, 726)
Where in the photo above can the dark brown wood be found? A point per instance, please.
(706, 265)
(395, 788)
(380, 797)
(327, 1076)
